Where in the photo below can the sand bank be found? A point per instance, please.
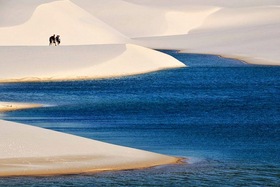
(80, 62)
(10, 106)
(28, 150)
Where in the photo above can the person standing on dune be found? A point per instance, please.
(57, 39)
(52, 40)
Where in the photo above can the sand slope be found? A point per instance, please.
(13, 12)
(137, 20)
(247, 30)
(80, 62)
(249, 33)
(80, 56)
(27, 150)
(76, 27)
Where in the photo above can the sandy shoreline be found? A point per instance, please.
(252, 60)
(83, 62)
(32, 151)
(67, 165)
(245, 60)
(11, 106)
(79, 78)
(176, 43)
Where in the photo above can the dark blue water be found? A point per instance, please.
(220, 113)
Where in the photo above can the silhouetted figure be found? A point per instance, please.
(52, 40)
(57, 39)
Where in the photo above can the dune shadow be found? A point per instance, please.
(14, 12)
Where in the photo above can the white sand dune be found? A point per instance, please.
(137, 20)
(79, 56)
(247, 30)
(80, 62)
(27, 150)
(76, 27)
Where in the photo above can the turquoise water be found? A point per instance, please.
(220, 113)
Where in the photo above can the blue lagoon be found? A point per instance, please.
(220, 114)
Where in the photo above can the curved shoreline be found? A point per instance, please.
(74, 165)
(85, 78)
(32, 151)
(81, 62)
(244, 59)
